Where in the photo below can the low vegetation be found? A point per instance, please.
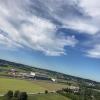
(17, 95)
(49, 96)
(27, 85)
(43, 88)
(83, 94)
(17, 84)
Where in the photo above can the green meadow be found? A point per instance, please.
(17, 84)
(27, 85)
(47, 97)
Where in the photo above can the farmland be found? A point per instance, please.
(27, 85)
(48, 97)
(45, 97)
(35, 82)
(30, 86)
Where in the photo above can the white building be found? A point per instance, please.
(23, 74)
(32, 74)
(54, 80)
(74, 88)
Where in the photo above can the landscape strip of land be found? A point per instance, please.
(41, 84)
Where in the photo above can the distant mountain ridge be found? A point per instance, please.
(45, 71)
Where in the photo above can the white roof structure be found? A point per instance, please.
(53, 79)
(13, 70)
(32, 74)
(74, 87)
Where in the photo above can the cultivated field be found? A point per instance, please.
(45, 97)
(48, 97)
(28, 86)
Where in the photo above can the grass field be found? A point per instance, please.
(45, 97)
(50, 86)
(28, 86)
(48, 97)
(16, 84)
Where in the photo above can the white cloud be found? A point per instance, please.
(91, 7)
(35, 26)
(94, 52)
(5, 41)
(32, 31)
(82, 27)
(88, 24)
(41, 36)
(93, 46)
(80, 15)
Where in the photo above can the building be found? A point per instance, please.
(32, 74)
(75, 89)
(53, 80)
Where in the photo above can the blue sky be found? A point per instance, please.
(61, 35)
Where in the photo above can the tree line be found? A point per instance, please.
(83, 94)
(17, 95)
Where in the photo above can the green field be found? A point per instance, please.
(28, 86)
(48, 97)
(17, 84)
(45, 97)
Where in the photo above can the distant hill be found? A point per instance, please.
(4, 63)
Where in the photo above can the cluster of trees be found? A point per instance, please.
(69, 93)
(83, 94)
(46, 91)
(17, 95)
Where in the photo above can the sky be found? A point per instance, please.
(60, 35)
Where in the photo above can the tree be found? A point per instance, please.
(23, 96)
(46, 91)
(9, 95)
(16, 94)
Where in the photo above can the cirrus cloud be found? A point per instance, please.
(35, 25)
(20, 27)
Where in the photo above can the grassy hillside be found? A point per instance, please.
(21, 67)
(47, 97)
(29, 86)
(16, 84)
